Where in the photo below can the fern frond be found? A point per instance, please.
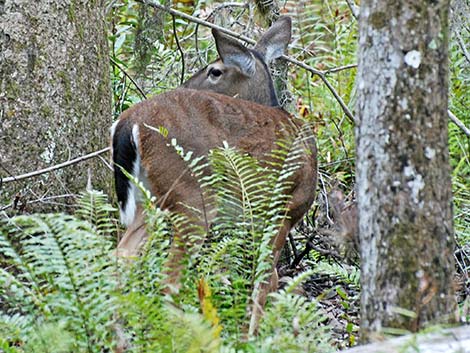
(94, 208)
(293, 323)
(191, 332)
(349, 274)
(60, 271)
(238, 181)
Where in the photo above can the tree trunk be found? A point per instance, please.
(270, 12)
(55, 101)
(403, 174)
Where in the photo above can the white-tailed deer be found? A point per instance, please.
(199, 121)
(239, 72)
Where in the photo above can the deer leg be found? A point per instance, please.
(174, 266)
(265, 288)
(134, 237)
(185, 243)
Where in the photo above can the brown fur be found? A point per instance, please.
(201, 121)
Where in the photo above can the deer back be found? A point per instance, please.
(201, 121)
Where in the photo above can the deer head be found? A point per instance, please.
(200, 121)
(242, 72)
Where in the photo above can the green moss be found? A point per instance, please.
(68, 96)
(46, 110)
(405, 236)
(13, 90)
(378, 20)
(71, 11)
(414, 24)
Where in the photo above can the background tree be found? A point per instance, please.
(402, 171)
(55, 94)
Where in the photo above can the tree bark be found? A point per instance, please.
(55, 101)
(403, 173)
(270, 12)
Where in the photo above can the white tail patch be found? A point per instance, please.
(133, 193)
(128, 213)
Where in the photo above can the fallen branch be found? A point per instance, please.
(447, 340)
(54, 167)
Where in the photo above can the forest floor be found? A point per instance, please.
(329, 247)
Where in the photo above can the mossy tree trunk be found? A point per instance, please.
(270, 12)
(54, 94)
(403, 174)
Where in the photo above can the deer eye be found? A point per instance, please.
(215, 72)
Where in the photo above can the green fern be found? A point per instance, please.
(60, 282)
(293, 325)
(94, 208)
(350, 275)
(57, 277)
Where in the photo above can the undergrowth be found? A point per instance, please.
(63, 290)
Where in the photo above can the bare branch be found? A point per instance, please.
(462, 46)
(354, 8)
(321, 74)
(340, 68)
(179, 49)
(459, 123)
(54, 167)
(129, 77)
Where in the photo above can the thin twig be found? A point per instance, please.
(322, 76)
(129, 77)
(106, 163)
(462, 46)
(459, 123)
(340, 68)
(41, 199)
(179, 49)
(354, 9)
(54, 167)
(312, 70)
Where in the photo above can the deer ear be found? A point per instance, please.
(233, 53)
(274, 42)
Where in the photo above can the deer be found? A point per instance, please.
(232, 100)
